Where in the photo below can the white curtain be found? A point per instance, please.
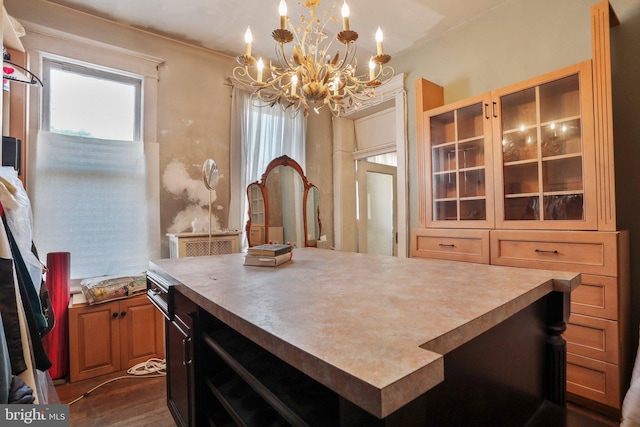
(259, 134)
(90, 199)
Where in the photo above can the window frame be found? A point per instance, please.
(89, 70)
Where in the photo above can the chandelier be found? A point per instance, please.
(309, 77)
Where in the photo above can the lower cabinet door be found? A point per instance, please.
(140, 331)
(593, 379)
(180, 393)
(94, 341)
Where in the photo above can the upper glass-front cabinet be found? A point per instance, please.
(458, 150)
(526, 150)
(545, 152)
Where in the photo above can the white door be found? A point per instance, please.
(377, 209)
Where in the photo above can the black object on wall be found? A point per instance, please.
(11, 152)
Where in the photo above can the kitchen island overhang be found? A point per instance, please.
(373, 329)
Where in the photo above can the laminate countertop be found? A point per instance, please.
(373, 329)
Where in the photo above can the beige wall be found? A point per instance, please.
(522, 39)
(193, 116)
(513, 42)
(625, 56)
(193, 111)
(319, 168)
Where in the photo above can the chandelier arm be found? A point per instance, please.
(349, 56)
(281, 56)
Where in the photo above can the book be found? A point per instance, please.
(270, 249)
(267, 261)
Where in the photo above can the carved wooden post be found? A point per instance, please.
(557, 316)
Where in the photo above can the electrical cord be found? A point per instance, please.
(152, 368)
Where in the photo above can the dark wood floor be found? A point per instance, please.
(129, 402)
(141, 402)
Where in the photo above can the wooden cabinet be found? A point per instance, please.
(181, 376)
(455, 245)
(552, 196)
(534, 139)
(457, 148)
(597, 332)
(545, 157)
(113, 336)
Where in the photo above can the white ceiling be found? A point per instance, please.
(219, 25)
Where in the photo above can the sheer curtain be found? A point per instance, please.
(92, 202)
(259, 134)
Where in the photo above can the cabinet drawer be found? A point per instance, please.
(456, 245)
(593, 337)
(596, 296)
(582, 251)
(593, 379)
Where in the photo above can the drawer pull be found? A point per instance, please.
(186, 353)
(444, 245)
(541, 251)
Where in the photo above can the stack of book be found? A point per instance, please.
(268, 255)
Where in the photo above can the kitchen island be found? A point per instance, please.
(336, 338)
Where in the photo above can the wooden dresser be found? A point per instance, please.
(523, 176)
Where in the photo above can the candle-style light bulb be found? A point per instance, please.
(248, 39)
(282, 8)
(336, 84)
(372, 69)
(294, 84)
(260, 66)
(379, 38)
(345, 17)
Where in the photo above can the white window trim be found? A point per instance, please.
(51, 62)
(41, 41)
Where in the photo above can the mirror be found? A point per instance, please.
(283, 206)
(210, 174)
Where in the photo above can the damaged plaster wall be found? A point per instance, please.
(193, 109)
(177, 180)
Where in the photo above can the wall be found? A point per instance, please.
(521, 39)
(319, 168)
(193, 111)
(625, 58)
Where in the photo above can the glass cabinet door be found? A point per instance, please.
(461, 168)
(543, 134)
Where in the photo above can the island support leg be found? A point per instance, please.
(557, 317)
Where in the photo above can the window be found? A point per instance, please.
(70, 107)
(89, 189)
(259, 134)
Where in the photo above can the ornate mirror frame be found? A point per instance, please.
(259, 188)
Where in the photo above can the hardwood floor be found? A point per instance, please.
(129, 402)
(141, 402)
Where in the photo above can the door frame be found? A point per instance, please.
(364, 167)
(393, 95)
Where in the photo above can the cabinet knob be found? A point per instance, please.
(123, 313)
(114, 315)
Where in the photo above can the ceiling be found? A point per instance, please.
(219, 25)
